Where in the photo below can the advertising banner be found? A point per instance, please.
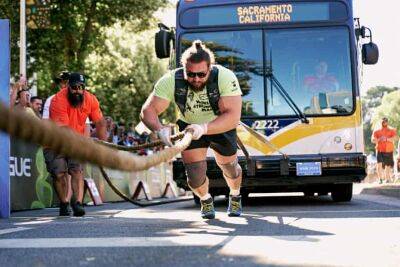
(30, 182)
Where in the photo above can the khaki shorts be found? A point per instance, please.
(57, 164)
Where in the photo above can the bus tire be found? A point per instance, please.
(342, 192)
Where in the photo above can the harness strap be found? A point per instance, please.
(182, 88)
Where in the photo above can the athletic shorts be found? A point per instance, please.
(224, 143)
(56, 163)
(386, 159)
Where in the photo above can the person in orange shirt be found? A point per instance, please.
(384, 139)
(71, 107)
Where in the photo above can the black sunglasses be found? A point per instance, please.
(198, 74)
(77, 87)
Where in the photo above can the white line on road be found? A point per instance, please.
(316, 211)
(171, 241)
(13, 230)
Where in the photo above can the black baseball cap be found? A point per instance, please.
(76, 78)
(64, 75)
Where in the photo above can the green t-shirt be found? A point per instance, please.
(198, 108)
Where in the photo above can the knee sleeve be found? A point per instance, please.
(231, 170)
(196, 173)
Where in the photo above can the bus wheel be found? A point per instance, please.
(342, 192)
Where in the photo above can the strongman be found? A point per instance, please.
(209, 101)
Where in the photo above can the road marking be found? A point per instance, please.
(171, 241)
(13, 230)
(316, 211)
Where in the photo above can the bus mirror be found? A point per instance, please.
(163, 40)
(363, 32)
(370, 53)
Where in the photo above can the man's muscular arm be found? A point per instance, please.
(230, 108)
(101, 129)
(153, 107)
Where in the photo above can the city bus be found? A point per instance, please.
(299, 67)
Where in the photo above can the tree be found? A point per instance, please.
(390, 108)
(74, 30)
(123, 72)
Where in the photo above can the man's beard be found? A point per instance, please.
(75, 99)
(198, 87)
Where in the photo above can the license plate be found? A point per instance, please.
(308, 168)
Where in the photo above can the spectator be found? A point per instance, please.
(36, 104)
(61, 82)
(70, 107)
(109, 128)
(122, 139)
(384, 139)
(115, 134)
(19, 95)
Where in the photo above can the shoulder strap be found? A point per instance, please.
(213, 90)
(181, 90)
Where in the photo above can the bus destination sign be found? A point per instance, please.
(264, 13)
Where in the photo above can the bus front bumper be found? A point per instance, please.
(276, 174)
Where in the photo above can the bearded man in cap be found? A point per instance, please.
(70, 108)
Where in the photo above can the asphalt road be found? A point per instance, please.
(274, 231)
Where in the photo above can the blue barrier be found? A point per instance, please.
(4, 139)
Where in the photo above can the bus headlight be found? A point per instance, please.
(348, 146)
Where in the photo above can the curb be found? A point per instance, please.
(385, 190)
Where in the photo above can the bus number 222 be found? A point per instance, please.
(266, 124)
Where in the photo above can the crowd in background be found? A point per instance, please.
(118, 133)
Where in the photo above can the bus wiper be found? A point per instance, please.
(339, 109)
(270, 75)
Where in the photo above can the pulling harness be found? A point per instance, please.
(182, 88)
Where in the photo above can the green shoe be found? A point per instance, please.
(207, 209)
(235, 206)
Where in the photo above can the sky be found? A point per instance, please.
(383, 18)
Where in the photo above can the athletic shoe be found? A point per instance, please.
(235, 206)
(64, 209)
(207, 209)
(78, 209)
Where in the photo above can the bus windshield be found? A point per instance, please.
(311, 64)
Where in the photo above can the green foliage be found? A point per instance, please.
(74, 31)
(389, 108)
(123, 72)
(374, 96)
(9, 9)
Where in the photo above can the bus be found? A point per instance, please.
(299, 65)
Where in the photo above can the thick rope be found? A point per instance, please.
(137, 202)
(62, 140)
(141, 146)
